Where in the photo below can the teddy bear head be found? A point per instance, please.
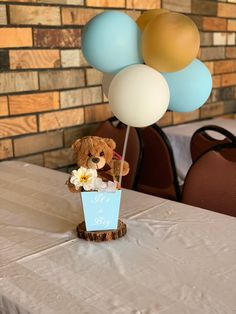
(93, 152)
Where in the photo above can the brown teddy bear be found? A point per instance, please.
(95, 152)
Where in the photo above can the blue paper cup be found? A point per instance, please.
(101, 210)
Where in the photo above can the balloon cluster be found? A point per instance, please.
(149, 66)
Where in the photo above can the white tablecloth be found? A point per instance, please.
(180, 137)
(175, 259)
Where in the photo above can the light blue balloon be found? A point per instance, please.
(111, 41)
(189, 87)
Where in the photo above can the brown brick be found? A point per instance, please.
(94, 77)
(226, 10)
(231, 52)
(59, 158)
(181, 117)
(31, 59)
(229, 79)
(33, 102)
(210, 66)
(209, 100)
(15, 37)
(61, 79)
(204, 7)
(61, 38)
(224, 66)
(37, 143)
(166, 119)
(177, 6)
(231, 25)
(74, 2)
(61, 119)
(106, 3)
(211, 110)
(69, 2)
(197, 19)
(71, 98)
(18, 82)
(216, 81)
(206, 39)
(214, 24)
(134, 14)
(72, 134)
(79, 97)
(212, 53)
(34, 15)
(97, 113)
(6, 149)
(219, 39)
(144, 4)
(34, 159)
(227, 93)
(92, 95)
(3, 106)
(72, 58)
(3, 15)
(4, 60)
(215, 95)
(228, 116)
(17, 126)
(78, 16)
(231, 39)
(230, 106)
(65, 2)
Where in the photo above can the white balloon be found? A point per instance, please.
(139, 95)
(106, 81)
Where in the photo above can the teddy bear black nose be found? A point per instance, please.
(95, 160)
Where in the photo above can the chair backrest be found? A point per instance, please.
(158, 174)
(116, 130)
(211, 180)
(201, 141)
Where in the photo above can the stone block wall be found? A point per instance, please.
(49, 95)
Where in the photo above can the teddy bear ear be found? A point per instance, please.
(76, 145)
(110, 143)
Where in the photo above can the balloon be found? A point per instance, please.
(106, 81)
(111, 41)
(138, 95)
(170, 42)
(147, 16)
(190, 87)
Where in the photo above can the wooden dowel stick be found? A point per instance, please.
(123, 153)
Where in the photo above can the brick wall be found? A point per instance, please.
(49, 95)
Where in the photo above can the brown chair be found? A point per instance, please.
(211, 180)
(201, 141)
(116, 130)
(158, 174)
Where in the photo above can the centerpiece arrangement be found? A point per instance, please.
(97, 179)
(149, 66)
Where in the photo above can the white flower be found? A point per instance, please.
(85, 178)
(111, 186)
(101, 186)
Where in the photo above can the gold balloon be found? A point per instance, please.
(147, 16)
(170, 42)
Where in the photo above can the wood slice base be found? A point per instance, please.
(103, 235)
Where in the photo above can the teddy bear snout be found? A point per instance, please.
(95, 160)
